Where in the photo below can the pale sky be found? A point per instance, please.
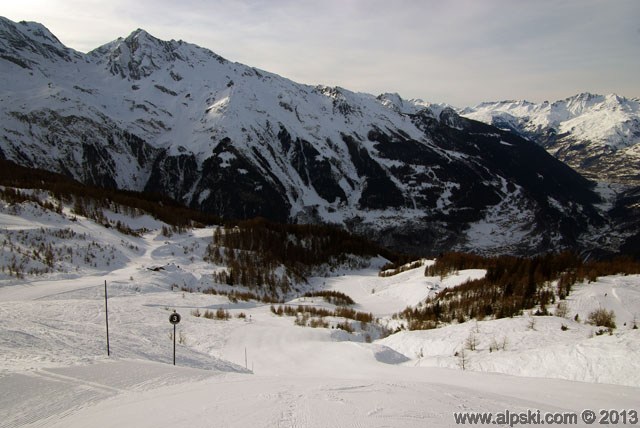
(459, 52)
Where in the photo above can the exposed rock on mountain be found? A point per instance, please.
(597, 135)
(171, 117)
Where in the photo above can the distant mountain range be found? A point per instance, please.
(597, 135)
(170, 117)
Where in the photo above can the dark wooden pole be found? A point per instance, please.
(106, 316)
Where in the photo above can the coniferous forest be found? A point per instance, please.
(510, 286)
(273, 257)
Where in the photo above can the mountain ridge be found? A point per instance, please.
(143, 114)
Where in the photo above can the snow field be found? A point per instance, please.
(263, 370)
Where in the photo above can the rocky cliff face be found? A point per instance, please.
(144, 114)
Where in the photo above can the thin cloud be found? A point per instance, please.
(461, 52)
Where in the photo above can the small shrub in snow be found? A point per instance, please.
(496, 346)
(222, 314)
(332, 296)
(301, 319)
(531, 325)
(562, 310)
(541, 312)
(463, 359)
(422, 325)
(602, 318)
(346, 326)
(235, 296)
(504, 343)
(493, 346)
(471, 342)
(166, 231)
(340, 312)
(318, 323)
(476, 328)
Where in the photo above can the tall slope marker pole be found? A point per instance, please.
(106, 315)
(174, 319)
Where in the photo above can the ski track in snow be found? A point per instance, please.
(42, 397)
(54, 371)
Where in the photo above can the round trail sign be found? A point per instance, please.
(174, 318)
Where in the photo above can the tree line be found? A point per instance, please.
(273, 257)
(88, 199)
(510, 286)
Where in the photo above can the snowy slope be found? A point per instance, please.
(542, 351)
(55, 372)
(168, 116)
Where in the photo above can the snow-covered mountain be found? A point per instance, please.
(168, 116)
(595, 134)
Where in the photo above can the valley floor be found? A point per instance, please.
(264, 371)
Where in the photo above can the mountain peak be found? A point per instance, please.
(140, 31)
(40, 32)
(584, 96)
(140, 54)
(26, 43)
(586, 101)
(142, 36)
(580, 100)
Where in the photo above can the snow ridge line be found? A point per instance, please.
(78, 381)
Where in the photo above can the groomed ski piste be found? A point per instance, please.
(261, 370)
